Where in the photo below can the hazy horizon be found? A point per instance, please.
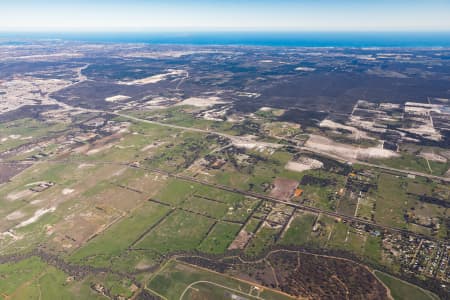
(213, 15)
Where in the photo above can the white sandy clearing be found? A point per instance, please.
(84, 165)
(355, 132)
(119, 172)
(153, 79)
(248, 142)
(433, 157)
(18, 195)
(9, 234)
(202, 101)
(15, 215)
(67, 191)
(303, 164)
(99, 149)
(426, 131)
(326, 145)
(117, 98)
(37, 214)
(36, 183)
(265, 108)
(151, 146)
(305, 69)
(37, 201)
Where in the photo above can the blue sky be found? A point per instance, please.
(204, 15)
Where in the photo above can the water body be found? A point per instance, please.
(289, 39)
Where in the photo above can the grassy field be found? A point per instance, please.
(264, 238)
(33, 279)
(401, 290)
(204, 206)
(391, 201)
(299, 230)
(19, 132)
(115, 240)
(176, 191)
(179, 231)
(206, 200)
(176, 278)
(219, 238)
(415, 163)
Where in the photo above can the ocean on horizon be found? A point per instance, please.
(287, 39)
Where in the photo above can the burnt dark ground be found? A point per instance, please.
(339, 80)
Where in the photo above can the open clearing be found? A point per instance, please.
(202, 101)
(350, 152)
(117, 98)
(178, 231)
(303, 164)
(153, 79)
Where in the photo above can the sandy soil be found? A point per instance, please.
(117, 98)
(37, 214)
(170, 53)
(355, 132)
(15, 215)
(153, 79)
(284, 188)
(305, 69)
(303, 164)
(433, 157)
(84, 165)
(241, 240)
(28, 90)
(202, 101)
(99, 149)
(67, 191)
(19, 195)
(350, 152)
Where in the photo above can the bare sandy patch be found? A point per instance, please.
(119, 172)
(37, 215)
(305, 69)
(350, 152)
(303, 164)
(84, 165)
(153, 79)
(37, 201)
(117, 98)
(99, 149)
(36, 183)
(283, 188)
(433, 157)
(9, 234)
(241, 240)
(18, 195)
(67, 191)
(355, 132)
(28, 90)
(152, 146)
(15, 215)
(202, 101)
